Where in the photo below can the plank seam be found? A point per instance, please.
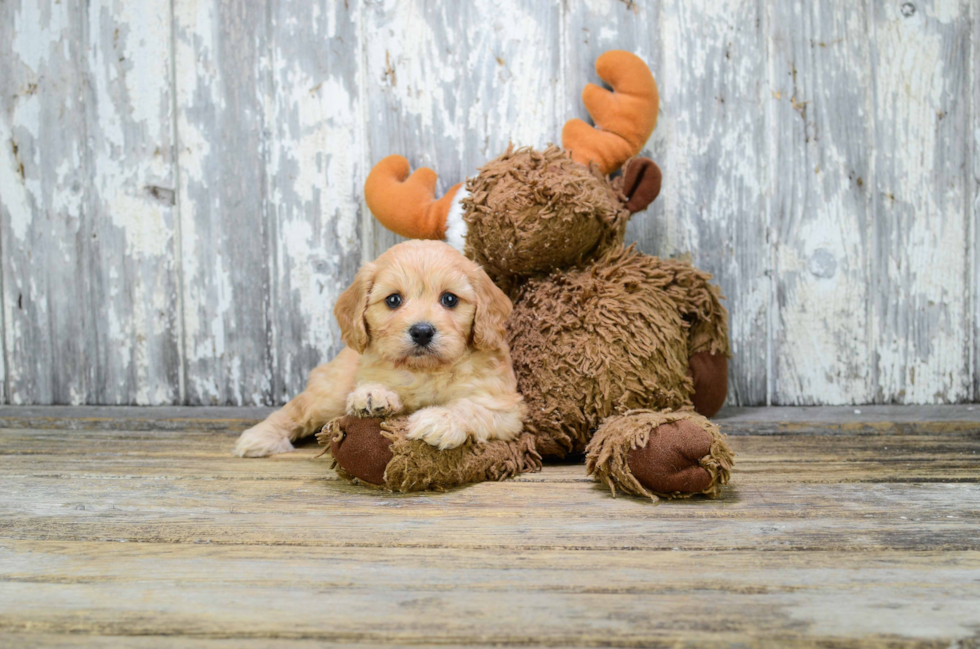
(368, 243)
(974, 210)
(91, 393)
(178, 226)
(877, 394)
(872, 257)
(560, 102)
(769, 206)
(270, 213)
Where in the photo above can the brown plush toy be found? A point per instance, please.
(619, 355)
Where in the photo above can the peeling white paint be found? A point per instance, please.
(16, 200)
(744, 144)
(35, 18)
(922, 334)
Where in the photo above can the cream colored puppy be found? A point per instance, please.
(424, 328)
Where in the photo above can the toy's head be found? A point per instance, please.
(528, 211)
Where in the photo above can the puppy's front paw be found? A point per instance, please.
(262, 440)
(373, 400)
(438, 427)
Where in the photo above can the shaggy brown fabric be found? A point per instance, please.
(710, 375)
(668, 454)
(417, 466)
(377, 452)
(641, 183)
(358, 447)
(607, 338)
(533, 211)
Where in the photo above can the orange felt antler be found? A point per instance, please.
(407, 207)
(624, 118)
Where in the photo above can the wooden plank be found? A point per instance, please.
(714, 196)
(89, 252)
(509, 83)
(222, 78)
(922, 195)
(861, 492)
(158, 501)
(132, 185)
(773, 457)
(448, 85)
(732, 420)
(840, 536)
(611, 599)
(316, 176)
(64, 641)
(147, 516)
(45, 214)
(835, 415)
(821, 141)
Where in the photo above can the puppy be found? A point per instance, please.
(424, 328)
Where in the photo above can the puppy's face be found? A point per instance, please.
(421, 305)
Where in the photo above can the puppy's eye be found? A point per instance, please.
(449, 300)
(393, 301)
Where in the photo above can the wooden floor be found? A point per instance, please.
(126, 527)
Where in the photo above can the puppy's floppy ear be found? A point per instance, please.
(492, 310)
(350, 308)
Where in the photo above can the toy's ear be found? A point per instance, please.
(493, 307)
(350, 309)
(641, 183)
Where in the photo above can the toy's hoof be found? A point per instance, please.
(670, 462)
(710, 374)
(668, 454)
(363, 451)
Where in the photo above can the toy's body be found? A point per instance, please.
(616, 352)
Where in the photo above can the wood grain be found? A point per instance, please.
(974, 70)
(826, 537)
(89, 286)
(453, 84)
(717, 169)
(923, 249)
(222, 76)
(49, 340)
(823, 138)
(180, 186)
(315, 176)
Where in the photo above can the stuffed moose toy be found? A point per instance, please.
(620, 356)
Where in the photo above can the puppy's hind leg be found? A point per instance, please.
(324, 398)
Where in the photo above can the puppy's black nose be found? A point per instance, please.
(422, 333)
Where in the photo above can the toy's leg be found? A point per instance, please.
(651, 453)
(710, 374)
(708, 347)
(377, 452)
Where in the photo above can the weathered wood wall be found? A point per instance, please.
(180, 180)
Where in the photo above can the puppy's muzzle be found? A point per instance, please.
(422, 333)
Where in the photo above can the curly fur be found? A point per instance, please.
(532, 211)
(612, 336)
(417, 466)
(608, 453)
